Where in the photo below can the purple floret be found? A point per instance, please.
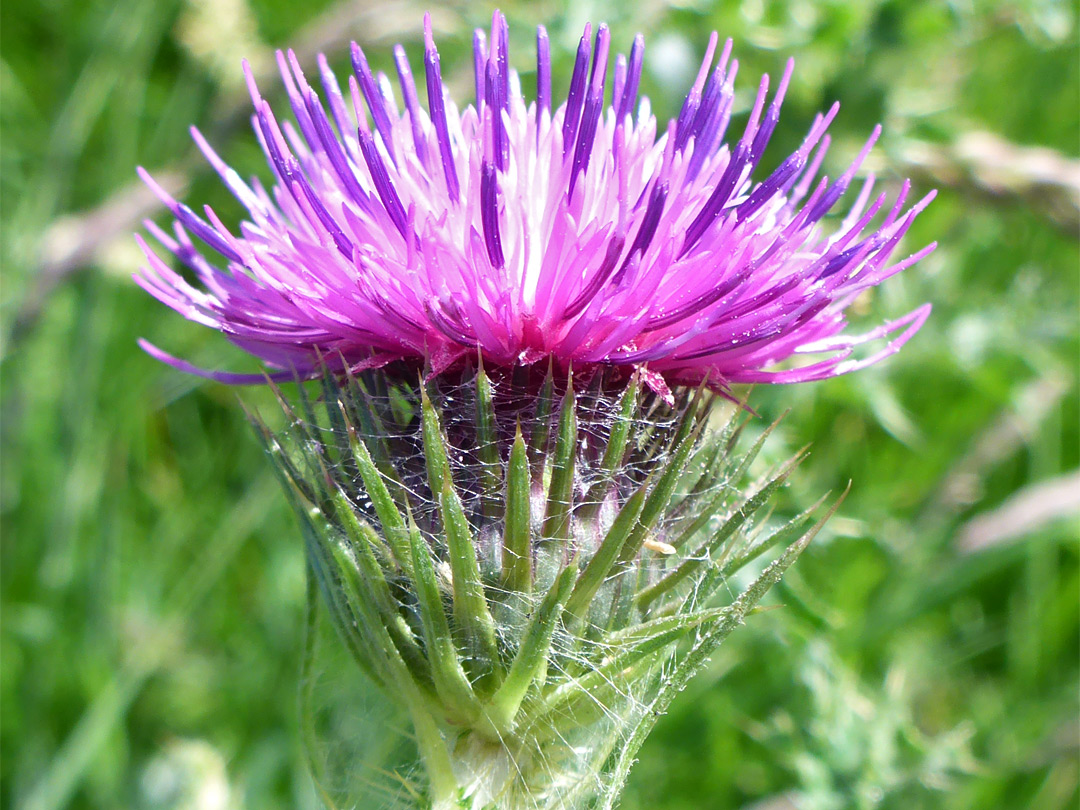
(530, 234)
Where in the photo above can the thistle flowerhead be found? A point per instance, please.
(531, 231)
(515, 503)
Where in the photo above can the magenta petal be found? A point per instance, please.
(528, 232)
(220, 376)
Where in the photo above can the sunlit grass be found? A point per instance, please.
(153, 578)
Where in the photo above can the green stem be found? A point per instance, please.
(436, 759)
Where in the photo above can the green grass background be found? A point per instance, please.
(153, 578)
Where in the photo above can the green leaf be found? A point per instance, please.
(600, 564)
(304, 438)
(751, 454)
(283, 467)
(531, 660)
(621, 652)
(345, 467)
(516, 548)
(703, 556)
(715, 454)
(541, 426)
(488, 446)
(451, 683)
(307, 689)
(316, 541)
(365, 542)
(661, 493)
(706, 514)
(375, 434)
(560, 496)
(473, 619)
(381, 650)
(435, 455)
(706, 641)
(688, 410)
(614, 452)
(356, 611)
(729, 563)
(393, 524)
(684, 442)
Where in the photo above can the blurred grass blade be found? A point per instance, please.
(307, 689)
(77, 753)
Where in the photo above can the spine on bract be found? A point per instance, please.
(532, 604)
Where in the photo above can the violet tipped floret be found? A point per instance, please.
(534, 233)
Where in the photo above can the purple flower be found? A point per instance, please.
(528, 231)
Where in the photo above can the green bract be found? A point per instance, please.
(533, 604)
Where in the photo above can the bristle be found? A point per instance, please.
(592, 553)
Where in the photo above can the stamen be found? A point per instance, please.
(489, 214)
(489, 189)
(576, 97)
(755, 113)
(480, 58)
(707, 120)
(500, 46)
(618, 83)
(599, 278)
(386, 190)
(228, 175)
(412, 103)
(334, 152)
(649, 223)
(375, 102)
(437, 109)
(772, 117)
(296, 97)
(543, 72)
(714, 206)
(594, 103)
(206, 233)
(693, 97)
(496, 99)
(633, 79)
(334, 97)
(341, 241)
(792, 165)
(358, 105)
(841, 185)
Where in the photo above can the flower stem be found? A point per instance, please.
(436, 759)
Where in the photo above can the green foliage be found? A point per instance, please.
(153, 578)
(546, 707)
